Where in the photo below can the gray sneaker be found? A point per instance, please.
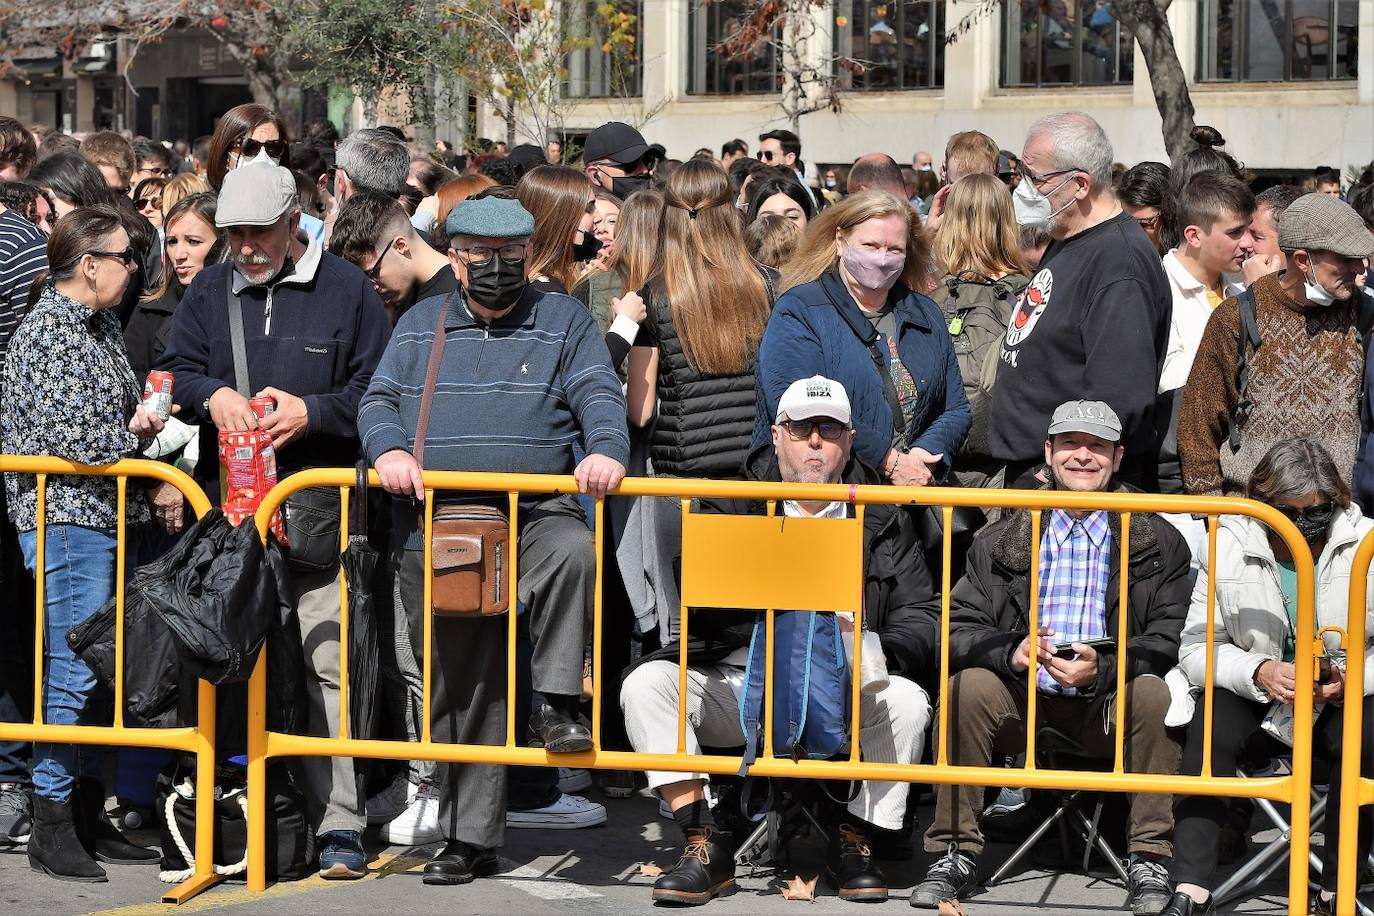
(15, 821)
(952, 877)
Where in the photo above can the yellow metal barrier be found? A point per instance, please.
(199, 739)
(1356, 790)
(750, 562)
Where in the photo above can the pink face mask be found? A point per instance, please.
(873, 269)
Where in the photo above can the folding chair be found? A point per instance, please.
(1055, 750)
(1249, 877)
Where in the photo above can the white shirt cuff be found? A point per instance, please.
(625, 327)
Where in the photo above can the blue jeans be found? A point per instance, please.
(80, 568)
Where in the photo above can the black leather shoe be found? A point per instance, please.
(559, 733)
(850, 869)
(1183, 905)
(459, 863)
(54, 847)
(101, 838)
(706, 870)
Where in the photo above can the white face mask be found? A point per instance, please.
(260, 157)
(1314, 291)
(1033, 208)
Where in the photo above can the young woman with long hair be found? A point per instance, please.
(561, 201)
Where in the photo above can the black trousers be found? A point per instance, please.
(1236, 722)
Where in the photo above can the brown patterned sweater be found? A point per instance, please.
(1304, 379)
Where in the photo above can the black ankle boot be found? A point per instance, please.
(101, 838)
(705, 870)
(849, 867)
(54, 847)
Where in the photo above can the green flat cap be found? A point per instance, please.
(490, 218)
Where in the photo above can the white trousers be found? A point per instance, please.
(892, 726)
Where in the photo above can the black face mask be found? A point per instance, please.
(588, 248)
(498, 284)
(626, 185)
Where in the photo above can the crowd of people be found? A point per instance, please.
(1042, 319)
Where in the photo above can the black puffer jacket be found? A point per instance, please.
(705, 422)
(899, 596)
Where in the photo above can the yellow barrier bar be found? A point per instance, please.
(686, 506)
(1301, 802)
(1209, 684)
(1124, 605)
(1034, 645)
(121, 490)
(858, 640)
(1347, 866)
(427, 672)
(204, 875)
(599, 542)
(40, 581)
(513, 505)
(768, 645)
(344, 622)
(942, 744)
(257, 776)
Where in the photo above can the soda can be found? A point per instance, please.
(263, 406)
(157, 394)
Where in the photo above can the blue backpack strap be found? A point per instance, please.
(751, 697)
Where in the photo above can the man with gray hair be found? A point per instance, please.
(1094, 322)
(286, 320)
(370, 159)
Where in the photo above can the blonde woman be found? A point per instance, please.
(978, 249)
(850, 312)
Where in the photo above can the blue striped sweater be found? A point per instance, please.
(513, 397)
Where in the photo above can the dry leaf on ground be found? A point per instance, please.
(951, 908)
(649, 870)
(799, 889)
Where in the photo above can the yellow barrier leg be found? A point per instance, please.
(204, 876)
(257, 776)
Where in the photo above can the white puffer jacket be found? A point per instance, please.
(1251, 623)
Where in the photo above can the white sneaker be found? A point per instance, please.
(570, 812)
(418, 824)
(572, 780)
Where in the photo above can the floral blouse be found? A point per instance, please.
(69, 392)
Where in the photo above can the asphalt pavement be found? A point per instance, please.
(573, 872)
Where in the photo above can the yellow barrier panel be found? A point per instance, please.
(1356, 790)
(739, 553)
(199, 739)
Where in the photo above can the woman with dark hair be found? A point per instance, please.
(1144, 193)
(243, 134)
(29, 201)
(71, 180)
(69, 392)
(561, 200)
(1255, 639)
(148, 199)
(778, 195)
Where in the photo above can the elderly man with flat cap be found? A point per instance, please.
(1286, 358)
(520, 380)
(285, 319)
(1079, 566)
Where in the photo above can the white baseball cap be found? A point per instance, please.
(816, 396)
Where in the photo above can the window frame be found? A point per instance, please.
(1075, 81)
(699, 69)
(934, 42)
(1208, 48)
(600, 66)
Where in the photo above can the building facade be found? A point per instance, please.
(1289, 83)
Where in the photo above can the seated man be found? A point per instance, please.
(523, 378)
(1079, 601)
(812, 441)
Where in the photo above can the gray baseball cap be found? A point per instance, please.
(1322, 222)
(256, 194)
(1092, 417)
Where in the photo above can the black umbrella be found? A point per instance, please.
(360, 565)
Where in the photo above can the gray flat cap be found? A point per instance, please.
(256, 194)
(490, 218)
(1322, 222)
(1092, 417)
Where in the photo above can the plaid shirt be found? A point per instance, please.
(1075, 564)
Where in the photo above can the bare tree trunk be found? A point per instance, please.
(1148, 23)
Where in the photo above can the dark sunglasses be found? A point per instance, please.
(375, 270)
(126, 256)
(249, 148)
(1319, 514)
(830, 430)
(147, 203)
(765, 155)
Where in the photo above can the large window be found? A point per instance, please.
(1064, 43)
(605, 37)
(717, 66)
(890, 44)
(1262, 40)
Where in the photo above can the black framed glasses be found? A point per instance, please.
(249, 148)
(830, 430)
(375, 270)
(1320, 514)
(481, 254)
(1038, 179)
(126, 256)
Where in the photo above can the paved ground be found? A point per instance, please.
(565, 872)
